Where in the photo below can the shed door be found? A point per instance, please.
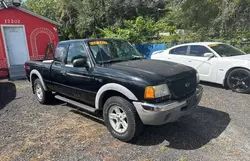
(15, 41)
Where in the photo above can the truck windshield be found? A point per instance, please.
(106, 51)
(225, 50)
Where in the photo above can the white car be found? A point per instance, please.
(216, 62)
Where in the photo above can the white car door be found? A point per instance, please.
(207, 67)
(173, 55)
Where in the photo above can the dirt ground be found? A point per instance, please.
(218, 130)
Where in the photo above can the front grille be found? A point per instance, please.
(183, 87)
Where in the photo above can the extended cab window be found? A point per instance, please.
(197, 50)
(75, 51)
(179, 50)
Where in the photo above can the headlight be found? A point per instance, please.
(197, 77)
(152, 92)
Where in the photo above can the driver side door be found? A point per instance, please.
(80, 80)
(207, 67)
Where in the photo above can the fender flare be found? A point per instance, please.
(36, 72)
(114, 87)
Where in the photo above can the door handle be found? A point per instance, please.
(189, 61)
(63, 73)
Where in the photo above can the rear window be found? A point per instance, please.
(179, 50)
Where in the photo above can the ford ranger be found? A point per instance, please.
(111, 77)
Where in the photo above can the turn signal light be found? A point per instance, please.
(149, 93)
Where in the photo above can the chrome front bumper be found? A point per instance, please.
(162, 113)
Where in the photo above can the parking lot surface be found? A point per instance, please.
(218, 130)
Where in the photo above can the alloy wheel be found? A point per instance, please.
(118, 119)
(39, 92)
(239, 81)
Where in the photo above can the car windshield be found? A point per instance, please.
(106, 51)
(225, 50)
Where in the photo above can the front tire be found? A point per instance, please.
(42, 96)
(239, 80)
(121, 119)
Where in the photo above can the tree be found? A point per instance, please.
(140, 20)
(139, 30)
(46, 8)
(81, 18)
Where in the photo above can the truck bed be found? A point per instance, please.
(42, 66)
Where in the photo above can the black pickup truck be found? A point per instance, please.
(110, 76)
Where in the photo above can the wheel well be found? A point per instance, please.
(230, 70)
(106, 95)
(33, 78)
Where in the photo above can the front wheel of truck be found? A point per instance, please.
(42, 96)
(121, 118)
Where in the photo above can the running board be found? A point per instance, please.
(75, 103)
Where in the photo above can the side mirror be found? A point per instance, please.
(209, 55)
(81, 62)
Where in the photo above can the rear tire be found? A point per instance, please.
(239, 80)
(42, 96)
(121, 119)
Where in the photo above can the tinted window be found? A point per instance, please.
(179, 51)
(60, 52)
(75, 51)
(225, 50)
(197, 50)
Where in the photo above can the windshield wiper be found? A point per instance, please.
(120, 60)
(113, 60)
(137, 57)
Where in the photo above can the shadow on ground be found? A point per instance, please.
(7, 93)
(188, 133)
(213, 85)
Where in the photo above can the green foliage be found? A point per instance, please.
(142, 21)
(164, 148)
(82, 18)
(47, 8)
(182, 159)
(137, 31)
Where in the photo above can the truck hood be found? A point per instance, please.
(153, 71)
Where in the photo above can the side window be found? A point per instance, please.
(60, 53)
(75, 51)
(197, 50)
(179, 51)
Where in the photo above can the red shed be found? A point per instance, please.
(24, 36)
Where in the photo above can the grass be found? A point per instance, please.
(182, 159)
(164, 148)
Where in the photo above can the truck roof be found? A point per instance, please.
(85, 40)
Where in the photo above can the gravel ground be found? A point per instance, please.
(218, 130)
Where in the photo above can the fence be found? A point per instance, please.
(148, 49)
